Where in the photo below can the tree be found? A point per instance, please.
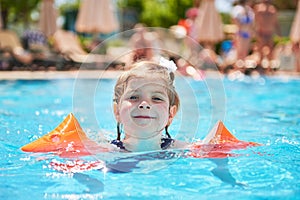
(17, 11)
(158, 13)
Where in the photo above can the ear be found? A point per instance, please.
(172, 113)
(116, 112)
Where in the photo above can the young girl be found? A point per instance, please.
(145, 103)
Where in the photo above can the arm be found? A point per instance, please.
(222, 172)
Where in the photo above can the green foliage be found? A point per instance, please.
(226, 18)
(281, 40)
(67, 6)
(164, 13)
(18, 11)
(137, 4)
(158, 13)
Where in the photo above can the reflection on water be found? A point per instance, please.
(265, 111)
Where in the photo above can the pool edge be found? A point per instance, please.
(96, 74)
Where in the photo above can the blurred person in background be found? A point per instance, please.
(243, 17)
(295, 36)
(141, 42)
(266, 27)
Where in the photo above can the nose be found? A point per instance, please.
(144, 105)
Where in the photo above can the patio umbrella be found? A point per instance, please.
(295, 30)
(96, 16)
(48, 16)
(1, 23)
(208, 24)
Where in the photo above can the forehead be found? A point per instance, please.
(146, 82)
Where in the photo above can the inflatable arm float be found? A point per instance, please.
(218, 144)
(69, 140)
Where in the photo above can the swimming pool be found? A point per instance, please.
(263, 109)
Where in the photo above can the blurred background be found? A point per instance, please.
(26, 18)
(20, 14)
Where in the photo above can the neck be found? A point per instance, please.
(137, 144)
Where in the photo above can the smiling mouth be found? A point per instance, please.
(143, 117)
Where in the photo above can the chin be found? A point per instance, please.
(143, 122)
(145, 126)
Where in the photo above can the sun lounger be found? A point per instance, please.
(67, 43)
(22, 59)
(9, 42)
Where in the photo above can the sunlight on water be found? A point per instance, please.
(263, 110)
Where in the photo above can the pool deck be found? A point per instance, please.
(52, 75)
(94, 74)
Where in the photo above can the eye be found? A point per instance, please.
(157, 99)
(133, 97)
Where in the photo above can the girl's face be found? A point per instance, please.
(144, 108)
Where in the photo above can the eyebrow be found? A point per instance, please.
(160, 92)
(130, 91)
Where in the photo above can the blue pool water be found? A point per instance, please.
(264, 110)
